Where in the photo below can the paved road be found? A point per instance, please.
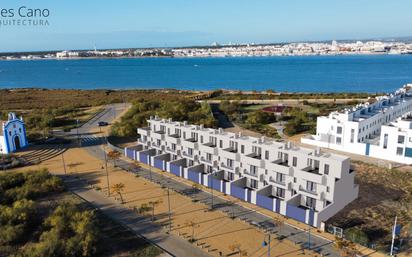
(172, 244)
(93, 145)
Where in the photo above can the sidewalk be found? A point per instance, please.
(173, 245)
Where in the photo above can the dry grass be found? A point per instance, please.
(383, 194)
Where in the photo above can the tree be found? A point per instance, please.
(238, 248)
(114, 156)
(154, 204)
(144, 207)
(118, 189)
(279, 221)
(193, 225)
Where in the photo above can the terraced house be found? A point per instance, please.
(376, 128)
(307, 185)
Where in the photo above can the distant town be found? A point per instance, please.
(232, 50)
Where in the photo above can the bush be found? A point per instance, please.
(71, 232)
(356, 235)
(178, 110)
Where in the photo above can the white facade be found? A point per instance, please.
(360, 130)
(12, 135)
(304, 184)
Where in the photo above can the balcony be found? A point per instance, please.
(226, 167)
(190, 143)
(230, 153)
(305, 190)
(279, 166)
(144, 131)
(206, 161)
(282, 183)
(186, 154)
(248, 172)
(173, 138)
(159, 134)
(209, 148)
(311, 174)
(171, 150)
(253, 159)
(158, 146)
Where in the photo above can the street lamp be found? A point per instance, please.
(211, 184)
(267, 242)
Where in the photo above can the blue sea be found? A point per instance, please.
(379, 73)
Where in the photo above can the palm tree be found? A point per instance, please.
(238, 248)
(193, 225)
(154, 204)
(341, 245)
(114, 155)
(118, 189)
(279, 220)
(144, 207)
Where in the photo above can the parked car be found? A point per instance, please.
(103, 123)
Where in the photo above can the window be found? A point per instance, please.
(310, 202)
(294, 161)
(280, 192)
(267, 155)
(229, 163)
(401, 139)
(327, 189)
(399, 151)
(190, 151)
(201, 139)
(173, 147)
(310, 186)
(326, 169)
(280, 177)
(295, 180)
(339, 130)
(253, 183)
(253, 169)
(242, 149)
(352, 135)
(208, 156)
(220, 143)
(385, 141)
(338, 140)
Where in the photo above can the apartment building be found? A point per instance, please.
(359, 129)
(307, 185)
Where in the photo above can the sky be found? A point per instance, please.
(83, 24)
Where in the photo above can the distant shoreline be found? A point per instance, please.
(199, 57)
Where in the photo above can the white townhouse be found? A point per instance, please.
(307, 185)
(360, 130)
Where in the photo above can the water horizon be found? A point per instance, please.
(306, 74)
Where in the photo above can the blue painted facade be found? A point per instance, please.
(176, 169)
(13, 135)
(296, 213)
(216, 185)
(238, 192)
(130, 153)
(159, 164)
(277, 206)
(264, 202)
(144, 158)
(194, 176)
